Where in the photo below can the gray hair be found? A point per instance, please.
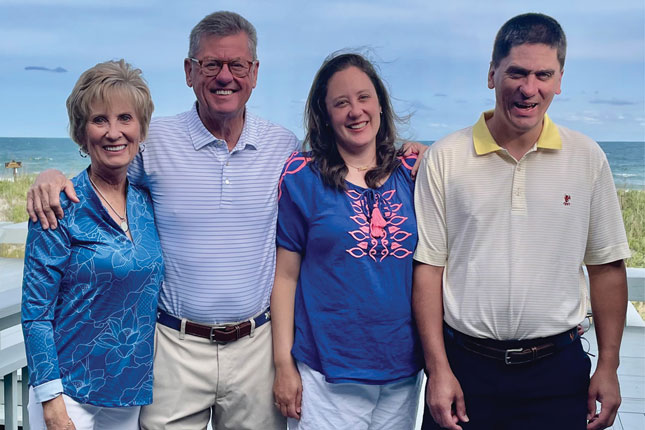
(223, 23)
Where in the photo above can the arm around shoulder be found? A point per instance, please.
(43, 202)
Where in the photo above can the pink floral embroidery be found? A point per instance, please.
(293, 165)
(378, 234)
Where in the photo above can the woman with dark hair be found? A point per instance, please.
(345, 347)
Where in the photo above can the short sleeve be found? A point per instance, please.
(429, 205)
(407, 164)
(606, 239)
(292, 225)
(136, 172)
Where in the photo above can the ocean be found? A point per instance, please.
(627, 159)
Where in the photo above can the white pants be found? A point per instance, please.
(87, 417)
(327, 406)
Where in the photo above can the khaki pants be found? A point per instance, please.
(196, 380)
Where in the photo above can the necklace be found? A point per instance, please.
(362, 168)
(124, 223)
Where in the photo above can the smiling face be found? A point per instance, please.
(525, 83)
(113, 133)
(223, 96)
(353, 108)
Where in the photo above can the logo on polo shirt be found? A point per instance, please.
(567, 200)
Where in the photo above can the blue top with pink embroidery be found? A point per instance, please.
(353, 311)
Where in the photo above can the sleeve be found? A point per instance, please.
(47, 253)
(297, 144)
(606, 239)
(407, 163)
(137, 173)
(429, 205)
(292, 224)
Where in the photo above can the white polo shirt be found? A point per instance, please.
(513, 235)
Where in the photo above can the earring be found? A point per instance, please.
(82, 153)
(142, 147)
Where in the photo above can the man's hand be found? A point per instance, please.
(55, 415)
(287, 390)
(415, 148)
(446, 400)
(43, 202)
(603, 388)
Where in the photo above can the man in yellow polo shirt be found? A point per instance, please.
(508, 212)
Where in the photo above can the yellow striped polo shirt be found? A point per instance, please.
(513, 235)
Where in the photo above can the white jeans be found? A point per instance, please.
(87, 417)
(327, 406)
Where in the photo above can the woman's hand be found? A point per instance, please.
(55, 415)
(287, 390)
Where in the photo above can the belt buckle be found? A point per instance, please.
(507, 358)
(211, 335)
(225, 329)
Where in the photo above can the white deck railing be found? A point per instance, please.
(12, 357)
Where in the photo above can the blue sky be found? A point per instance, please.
(433, 55)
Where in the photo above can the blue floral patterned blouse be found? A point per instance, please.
(89, 301)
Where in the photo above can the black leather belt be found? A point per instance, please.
(513, 352)
(215, 333)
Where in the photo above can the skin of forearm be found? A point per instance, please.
(282, 322)
(608, 287)
(54, 411)
(282, 306)
(427, 305)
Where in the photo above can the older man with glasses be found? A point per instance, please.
(212, 173)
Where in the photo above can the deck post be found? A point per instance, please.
(10, 400)
(25, 397)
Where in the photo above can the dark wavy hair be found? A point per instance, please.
(529, 28)
(320, 136)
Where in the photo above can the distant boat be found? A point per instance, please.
(46, 69)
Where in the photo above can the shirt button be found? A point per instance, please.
(227, 182)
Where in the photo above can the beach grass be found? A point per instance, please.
(13, 197)
(632, 203)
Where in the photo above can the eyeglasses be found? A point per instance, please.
(212, 66)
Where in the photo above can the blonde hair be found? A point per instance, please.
(101, 83)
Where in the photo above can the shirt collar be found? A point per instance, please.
(484, 142)
(201, 137)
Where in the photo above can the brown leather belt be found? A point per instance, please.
(215, 333)
(513, 352)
